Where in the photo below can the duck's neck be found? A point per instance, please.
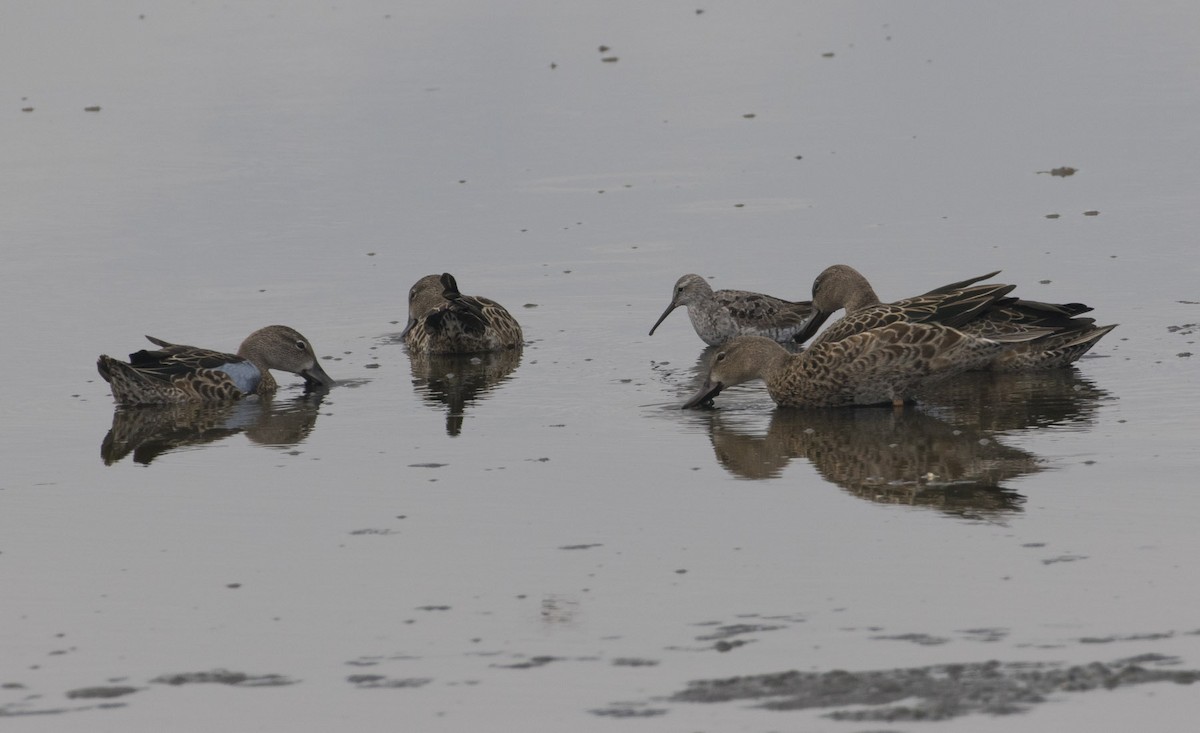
(862, 295)
(771, 364)
(266, 383)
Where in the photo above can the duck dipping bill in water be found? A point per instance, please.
(177, 373)
(721, 315)
(980, 310)
(886, 365)
(441, 320)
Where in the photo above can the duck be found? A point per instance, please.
(982, 310)
(176, 373)
(720, 315)
(441, 320)
(888, 365)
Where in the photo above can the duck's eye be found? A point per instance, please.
(720, 356)
(301, 345)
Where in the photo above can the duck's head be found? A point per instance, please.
(285, 349)
(740, 360)
(837, 287)
(425, 295)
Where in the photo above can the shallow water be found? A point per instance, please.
(545, 543)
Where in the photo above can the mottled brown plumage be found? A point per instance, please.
(980, 310)
(441, 320)
(721, 315)
(177, 373)
(885, 365)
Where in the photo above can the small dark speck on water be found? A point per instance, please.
(603, 49)
(610, 59)
(1184, 354)
(531, 305)
(738, 206)
(93, 108)
(749, 115)
(233, 585)
(1053, 216)
(1044, 282)
(427, 465)
(1093, 212)
(370, 254)
(371, 366)
(581, 547)
(681, 571)
(27, 109)
(827, 55)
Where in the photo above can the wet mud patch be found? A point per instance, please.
(921, 639)
(938, 692)
(225, 677)
(101, 692)
(379, 681)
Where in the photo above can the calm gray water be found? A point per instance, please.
(545, 544)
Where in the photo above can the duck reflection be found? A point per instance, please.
(891, 456)
(148, 431)
(456, 380)
(1005, 402)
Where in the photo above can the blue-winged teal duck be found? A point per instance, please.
(886, 365)
(176, 373)
(981, 310)
(441, 320)
(721, 315)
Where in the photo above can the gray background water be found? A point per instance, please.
(304, 163)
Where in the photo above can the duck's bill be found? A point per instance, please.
(704, 396)
(810, 326)
(663, 317)
(315, 376)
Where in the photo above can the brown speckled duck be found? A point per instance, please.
(441, 320)
(980, 310)
(177, 373)
(885, 365)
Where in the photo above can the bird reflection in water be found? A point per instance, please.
(891, 456)
(947, 453)
(996, 402)
(457, 380)
(148, 431)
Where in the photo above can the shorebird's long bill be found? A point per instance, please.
(704, 396)
(315, 376)
(811, 324)
(663, 317)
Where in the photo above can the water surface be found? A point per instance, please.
(544, 542)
